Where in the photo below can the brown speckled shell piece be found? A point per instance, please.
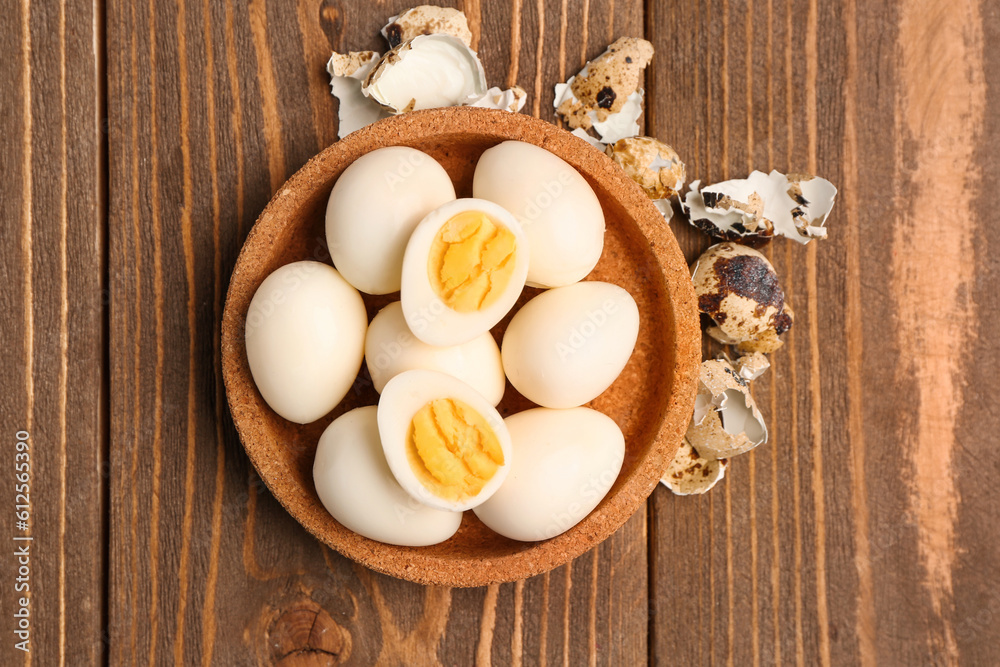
(651, 401)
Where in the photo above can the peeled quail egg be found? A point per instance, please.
(375, 206)
(555, 205)
(567, 345)
(390, 349)
(463, 269)
(565, 462)
(305, 338)
(445, 444)
(357, 488)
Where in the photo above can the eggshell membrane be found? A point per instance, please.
(373, 209)
(347, 71)
(568, 344)
(429, 318)
(557, 208)
(391, 348)
(425, 72)
(402, 397)
(724, 398)
(355, 485)
(565, 461)
(305, 337)
(755, 209)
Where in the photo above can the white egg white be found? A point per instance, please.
(305, 339)
(391, 348)
(375, 206)
(355, 485)
(565, 462)
(427, 316)
(567, 345)
(558, 210)
(403, 396)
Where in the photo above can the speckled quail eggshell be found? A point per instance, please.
(347, 70)
(403, 396)
(565, 462)
(374, 207)
(426, 314)
(568, 344)
(726, 421)
(652, 164)
(427, 20)
(357, 488)
(751, 366)
(305, 337)
(606, 85)
(391, 348)
(557, 208)
(691, 474)
(738, 288)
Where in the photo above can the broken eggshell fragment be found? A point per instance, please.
(652, 164)
(738, 289)
(427, 20)
(606, 94)
(512, 99)
(751, 366)
(426, 72)
(596, 143)
(814, 197)
(347, 71)
(752, 210)
(691, 474)
(621, 124)
(726, 420)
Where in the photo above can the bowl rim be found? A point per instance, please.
(537, 557)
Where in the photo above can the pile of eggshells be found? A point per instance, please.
(404, 471)
(738, 290)
(739, 294)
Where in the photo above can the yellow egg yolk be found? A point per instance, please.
(452, 450)
(471, 261)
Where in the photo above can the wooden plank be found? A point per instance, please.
(976, 585)
(768, 543)
(850, 536)
(52, 247)
(214, 106)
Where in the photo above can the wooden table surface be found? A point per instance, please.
(141, 140)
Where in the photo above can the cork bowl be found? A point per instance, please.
(651, 401)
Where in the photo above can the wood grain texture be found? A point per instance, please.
(215, 106)
(51, 360)
(863, 532)
(843, 540)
